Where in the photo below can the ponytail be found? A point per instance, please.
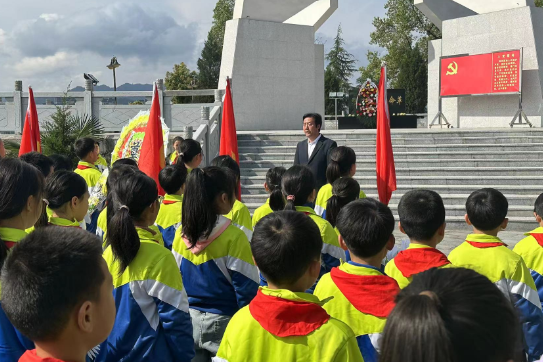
(273, 180)
(229, 163)
(344, 191)
(342, 160)
(298, 184)
(200, 212)
(189, 149)
(18, 181)
(62, 186)
(130, 197)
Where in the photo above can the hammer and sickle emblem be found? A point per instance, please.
(452, 69)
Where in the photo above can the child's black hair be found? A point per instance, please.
(118, 171)
(487, 209)
(228, 162)
(273, 180)
(125, 161)
(366, 226)
(129, 199)
(47, 276)
(62, 162)
(84, 146)
(451, 315)
(62, 186)
(172, 178)
(284, 245)
(18, 181)
(344, 191)
(298, 184)
(189, 149)
(421, 214)
(342, 160)
(202, 188)
(178, 138)
(40, 161)
(538, 206)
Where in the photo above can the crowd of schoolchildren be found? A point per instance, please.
(192, 277)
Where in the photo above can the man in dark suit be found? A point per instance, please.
(314, 152)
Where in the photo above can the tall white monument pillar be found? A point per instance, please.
(277, 70)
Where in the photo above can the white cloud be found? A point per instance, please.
(50, 17)
(2, 37)
(29, 66)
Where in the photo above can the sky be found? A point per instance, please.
(50, 44)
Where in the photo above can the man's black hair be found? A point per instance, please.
(62, 162)
(366, 226)
(46, 276)
(84, 146)
(40, 161)
(538, 206)
(487, 209)
(284, 245)
(421, 213)
(316, 117)
(172, 178)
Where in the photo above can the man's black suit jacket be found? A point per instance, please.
(318, 162)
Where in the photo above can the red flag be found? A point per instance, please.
(31, 139)
(229, 138)
(152, 149)
(386, 172)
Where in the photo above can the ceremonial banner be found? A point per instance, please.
(229, 138)
(31, 139)
(492, 73)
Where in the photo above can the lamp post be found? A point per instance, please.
(336, 96)
(114, 64)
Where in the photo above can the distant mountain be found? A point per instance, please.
(127, 87)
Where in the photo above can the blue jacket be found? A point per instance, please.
(218, 273)
(169, 218)
(153, 322)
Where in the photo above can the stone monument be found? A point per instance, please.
(483, 26)
(277, 70)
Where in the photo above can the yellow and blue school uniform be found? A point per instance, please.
(280, 325)
(362, 297)
(12, 343)
(489, 256)
(169, 218)
(218, 273)
(89, 172)
(262, 211)
(416, 259)
(241, 216)
(531, 250)
(101, 164)
(153, 321)
(325, 193)
(101, 225)
(59, 221)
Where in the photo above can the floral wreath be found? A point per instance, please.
(366, 102)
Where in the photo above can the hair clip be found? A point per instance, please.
(124, 207)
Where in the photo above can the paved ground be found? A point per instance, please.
(453, 238)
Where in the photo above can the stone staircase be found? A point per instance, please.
(452, 162)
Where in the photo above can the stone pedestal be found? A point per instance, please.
(485, 33)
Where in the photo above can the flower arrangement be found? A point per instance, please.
(366, 102)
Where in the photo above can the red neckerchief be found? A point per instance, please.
(414, 261)
(31, 356)
(169, 202)
(485, 245)
(538, 238)
(83, 167)
(287, 318)
(369, 294)
(10, 244)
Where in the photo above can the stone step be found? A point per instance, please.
(491, 155)
(444, 172)
(440, 187)
(403, 141)
(401, 163)
(449, 199)
(474, 148)
(486, 181)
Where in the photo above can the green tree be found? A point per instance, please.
(181, 78)
(539, 3)
(404, 33)
(340, 68)
(209, 64)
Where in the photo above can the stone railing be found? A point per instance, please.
(112, 116)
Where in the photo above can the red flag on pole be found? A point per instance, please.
(386, 172)
(151, 160)
(229, 138)
(31, 139)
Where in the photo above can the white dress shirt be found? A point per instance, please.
(311, 146)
